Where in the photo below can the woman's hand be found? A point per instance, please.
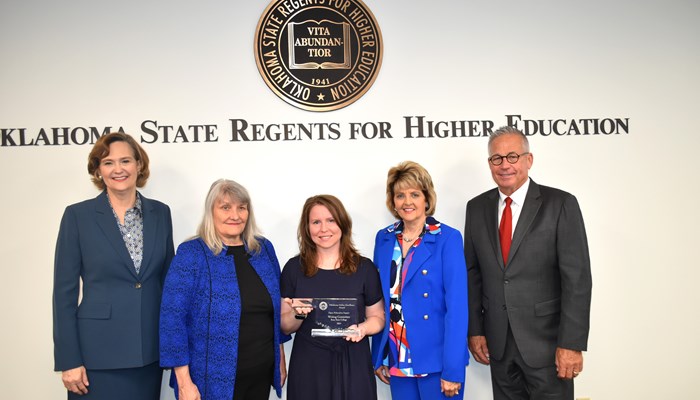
(293, 313)
(301, 307)
(189, 391)
(360, 333)
(383, 374)
(283, 366)
(76, 380)
(450, 388)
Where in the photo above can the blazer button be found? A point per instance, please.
(137, 285)
(505, 282)
(425, 316)
(425, 295)
(425, 272)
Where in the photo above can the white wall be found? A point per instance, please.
(97, 63)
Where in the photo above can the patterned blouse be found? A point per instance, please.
(132, 231)
(399, 358)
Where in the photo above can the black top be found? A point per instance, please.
(256, 331)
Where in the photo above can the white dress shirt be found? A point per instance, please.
(516, 205)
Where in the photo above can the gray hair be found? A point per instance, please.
(509, 130)
(221, 189)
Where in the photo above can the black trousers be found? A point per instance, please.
(513, 379)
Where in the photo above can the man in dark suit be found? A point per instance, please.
(529, 278)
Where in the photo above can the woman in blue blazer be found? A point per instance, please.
(422, 352)
(220, 316)
(119, 245)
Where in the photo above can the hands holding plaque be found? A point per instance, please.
(333, 317)
(301, 307)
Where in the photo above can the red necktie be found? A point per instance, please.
(505, 230)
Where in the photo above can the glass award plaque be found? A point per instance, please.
(334, 316)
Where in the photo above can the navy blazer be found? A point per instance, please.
(434, 301)
(116, 323)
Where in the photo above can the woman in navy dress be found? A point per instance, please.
(329, 266)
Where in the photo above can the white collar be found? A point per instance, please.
(518, 196)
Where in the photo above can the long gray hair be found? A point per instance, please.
(219, 190)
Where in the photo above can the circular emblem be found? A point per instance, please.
(318, 55)
(323, 305)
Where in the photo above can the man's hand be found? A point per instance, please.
(479, 349)
(569, 363)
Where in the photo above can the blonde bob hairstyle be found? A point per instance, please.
(100, 150)
(410, 175)
(226, 189)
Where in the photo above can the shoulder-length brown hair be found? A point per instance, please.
(349, 257)
(100, 150)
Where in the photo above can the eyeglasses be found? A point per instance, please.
(512, 158)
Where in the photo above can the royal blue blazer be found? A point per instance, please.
(201, 315)
(116, 323)
(434, 300)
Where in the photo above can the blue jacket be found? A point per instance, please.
(434, 301)
(116, 324)
(189, 316)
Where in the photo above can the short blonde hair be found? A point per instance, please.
(221, 189)
(409, 174)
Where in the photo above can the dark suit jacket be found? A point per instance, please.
(545, 291)
(116, 323)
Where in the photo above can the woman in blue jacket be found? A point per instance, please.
(422, 352)
(220, 315)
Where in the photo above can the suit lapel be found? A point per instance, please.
(533, 201)
(384, 256)
(420, 255)
(150, 227)
(491, 217)
(105, 220)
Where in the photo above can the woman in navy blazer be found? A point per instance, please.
(422, 352)
(119, 245)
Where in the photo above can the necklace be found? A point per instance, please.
(409, 240)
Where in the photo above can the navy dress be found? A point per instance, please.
(331, 368)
